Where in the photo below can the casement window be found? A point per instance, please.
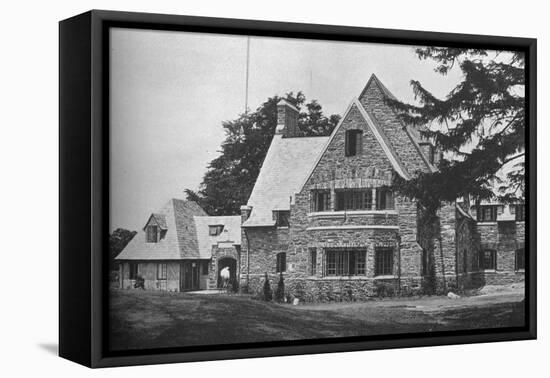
(281, 262)
(312, 261)
(345, 262)
(353, 142)
(152, 234)
(133, 271)
(520, 259)
(487, 213)
(161, 271)
(320, 200)
(520, 213)
(215, 230)
(424, 268)
(383, 261)
(281, 218)
(353, 200)
(384, 199)
(205, 265)
(488, 259)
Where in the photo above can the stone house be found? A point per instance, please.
(181, 248)
(321, 214)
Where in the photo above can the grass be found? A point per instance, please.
(146, 319)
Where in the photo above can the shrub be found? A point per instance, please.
(280, 293)
(235, 285)
(268, 294)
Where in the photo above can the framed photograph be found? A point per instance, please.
(234, 188)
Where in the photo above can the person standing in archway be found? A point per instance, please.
(225, 275)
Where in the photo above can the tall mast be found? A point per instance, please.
(247, 71)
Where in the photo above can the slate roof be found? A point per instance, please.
(287, 162)
(178, 239)
(231, 233)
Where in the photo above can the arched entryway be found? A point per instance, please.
(230, 263)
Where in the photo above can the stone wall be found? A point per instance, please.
(505, 238)
(217, 255)
(260, 246)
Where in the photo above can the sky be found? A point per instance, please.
(170, 92)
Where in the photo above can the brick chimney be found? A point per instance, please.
(287, 120)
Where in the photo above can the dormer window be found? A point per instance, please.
(353, 142)
(281, 218)
(152, 233)
(215, 230)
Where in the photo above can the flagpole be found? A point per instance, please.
(247, 73)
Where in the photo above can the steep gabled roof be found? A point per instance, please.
(286, 164)
(231, 233)
(178, 239)
(372, 97)
(377, 132)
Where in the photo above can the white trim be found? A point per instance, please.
(350, 213)
(354, 227)
(374, 130)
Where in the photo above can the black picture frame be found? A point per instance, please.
(83, 196)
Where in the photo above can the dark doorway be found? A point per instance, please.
(230, 263)
(190, 275)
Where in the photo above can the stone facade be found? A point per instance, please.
(397, 248)
(222, 256)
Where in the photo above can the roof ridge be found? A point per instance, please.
(376, 80)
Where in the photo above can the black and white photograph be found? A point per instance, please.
(266, 189)
(278, 189)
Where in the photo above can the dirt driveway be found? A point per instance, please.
(147, 319)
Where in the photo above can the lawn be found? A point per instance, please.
(146, 319)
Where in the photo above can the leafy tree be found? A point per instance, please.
(117, 241)
(231, 176)
(479, 125)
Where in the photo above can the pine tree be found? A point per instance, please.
(268, 294)
(280, 293)
(231, 176)
(479, 125)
